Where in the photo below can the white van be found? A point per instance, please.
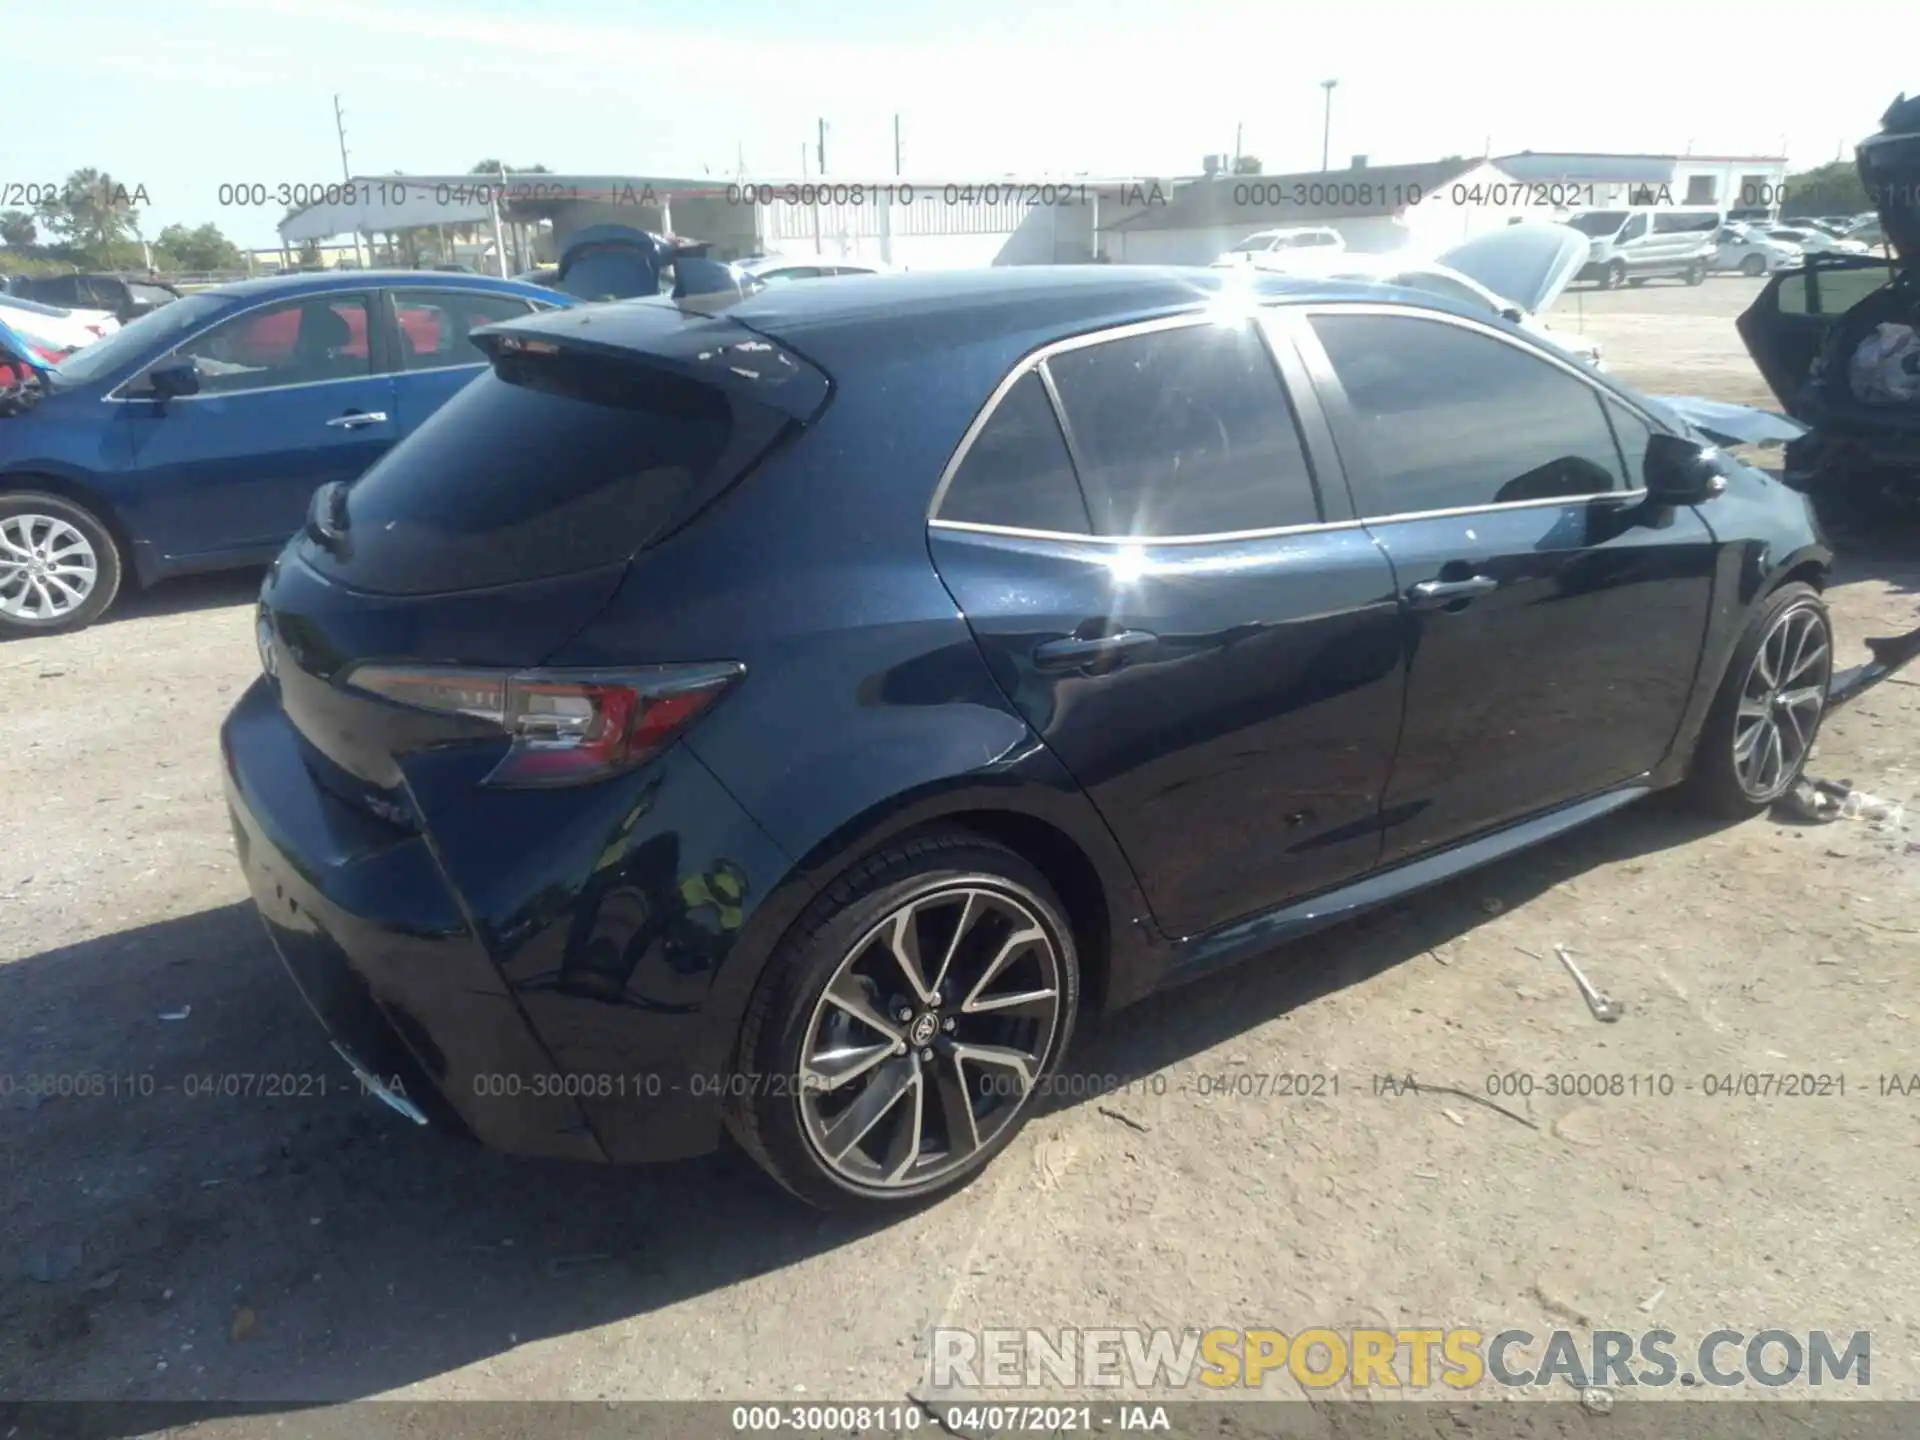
(1631, 246)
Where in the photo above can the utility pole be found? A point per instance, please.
(821, 158)
(1326, 122)
(499, 240)
(896, 145)
(346, 171)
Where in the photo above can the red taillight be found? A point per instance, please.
(567, 727)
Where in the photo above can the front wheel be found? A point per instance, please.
(59, 566)
(1614, 276)
(1754, 266)
(1768, 711)
(906, 1028)
(1697, 273)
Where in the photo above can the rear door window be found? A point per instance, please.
(1017, 472)
(434, 325)
(542, 466)
(1184, 432)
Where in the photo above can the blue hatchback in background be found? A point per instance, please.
(194, 438)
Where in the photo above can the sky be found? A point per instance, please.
(183, 97)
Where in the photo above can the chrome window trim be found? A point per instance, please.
(114, 397)
(1227, 537)
(1036, 361)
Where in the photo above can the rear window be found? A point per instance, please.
(542, 466)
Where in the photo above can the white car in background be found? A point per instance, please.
(778, 268)
(53, 330)
(1284, 249)
(1815, 241)
(1751, 250)
(1516, 273)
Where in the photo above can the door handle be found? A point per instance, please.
(354, 419)
(1074, 653)
(1433, 594)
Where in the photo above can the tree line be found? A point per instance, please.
(92, 222)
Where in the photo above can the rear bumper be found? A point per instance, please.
(376, 944)
(530, 1040)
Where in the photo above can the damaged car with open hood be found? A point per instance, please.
(1838, 341)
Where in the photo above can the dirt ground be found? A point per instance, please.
(157, 1244)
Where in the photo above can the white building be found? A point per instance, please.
(1593, 181)
(904, 223)
(1376, 209)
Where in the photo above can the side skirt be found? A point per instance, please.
(1236, 942)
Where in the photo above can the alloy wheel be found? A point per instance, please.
(47, 567)
(930, 1038)
(1781, 702)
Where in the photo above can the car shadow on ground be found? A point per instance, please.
(187, 594)
(194, 1238)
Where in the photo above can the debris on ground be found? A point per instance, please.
(1604, 1007)
(1811, 802)
(1124, 1119)
(1646, 1305)
(1859, 805)
(180, 1014)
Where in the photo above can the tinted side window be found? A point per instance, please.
(1017, 472)
(435, 324)
(1449, 418)
(1635, 228)
(1184, 432)
(294, 344)
(1633, 433)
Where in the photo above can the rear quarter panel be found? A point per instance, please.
(867, 709)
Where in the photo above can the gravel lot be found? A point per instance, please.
(159, 1245)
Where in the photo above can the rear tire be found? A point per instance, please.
(1697, 273)
(59, 565)
(1771, 702)
(852, 1107)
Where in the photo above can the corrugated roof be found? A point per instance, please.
(1307, 197)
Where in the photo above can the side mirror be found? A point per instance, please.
(173, 378)
(1678, 471)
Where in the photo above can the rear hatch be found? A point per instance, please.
(421, 595)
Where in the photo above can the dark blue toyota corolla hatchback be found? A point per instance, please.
(783, 715)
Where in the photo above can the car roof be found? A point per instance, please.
(995, 315)
(319, 282)
(964, 329)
